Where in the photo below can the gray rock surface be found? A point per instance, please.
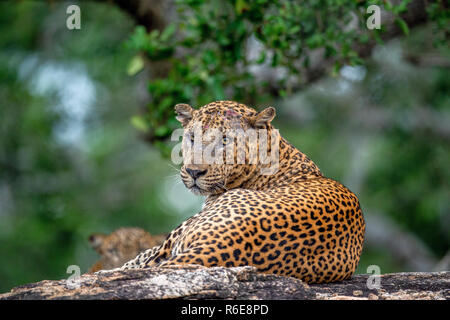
(230, 283)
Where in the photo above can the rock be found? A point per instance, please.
(373, 296)
(357, 293)
(230, 283)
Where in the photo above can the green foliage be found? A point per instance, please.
(439, 12)
(208, 49)
(53, 195)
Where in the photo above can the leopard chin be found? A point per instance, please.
(198, 191)
(214, 189)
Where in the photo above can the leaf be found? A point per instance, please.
(276, 59)
(139, 123)
(306, 62)
(241, 6)
(153, 35)
(295, 29)
(262, 57)
(162, 131)
(135, 66)
(315, 41)
(168, 32)
(336, 69)
(402, 25)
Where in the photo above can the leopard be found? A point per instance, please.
(120, 246)
(290, 221)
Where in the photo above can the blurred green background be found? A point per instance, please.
(85, 115)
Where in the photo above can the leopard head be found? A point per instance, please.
(221, 144)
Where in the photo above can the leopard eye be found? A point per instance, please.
(112, 251)
(225, 140)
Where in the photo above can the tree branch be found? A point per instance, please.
(156, 14)
(152, 14)
(414, 16)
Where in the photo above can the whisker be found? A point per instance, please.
(173, 178)
(173, 167)
(175, 175)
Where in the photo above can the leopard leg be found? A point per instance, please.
(192, 257)
(180, 261)
(171, 264)
(142, 259)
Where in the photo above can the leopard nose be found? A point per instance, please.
(195, 173)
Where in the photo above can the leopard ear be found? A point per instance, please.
(263, 118)
(96, 240)
(184, 113)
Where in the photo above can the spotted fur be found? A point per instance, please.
(295, 222)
